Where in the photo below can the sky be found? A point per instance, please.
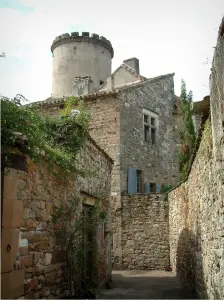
(166, 36)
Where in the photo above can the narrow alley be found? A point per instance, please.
(145, 285)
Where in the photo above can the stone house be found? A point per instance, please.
(134, 118)
(33, 262)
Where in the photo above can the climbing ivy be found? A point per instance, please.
(51, 139)
(71, 229)
(188, 135)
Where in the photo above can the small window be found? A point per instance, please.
(153, 135)
(150, 127)
(153, 187)
(101, 82)
(146, 133)
(146, 119)
(138, 181)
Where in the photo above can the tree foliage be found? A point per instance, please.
(188, 134)
(51, 139)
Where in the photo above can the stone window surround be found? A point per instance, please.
(153, 115)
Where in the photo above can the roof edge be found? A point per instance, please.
(150, 80)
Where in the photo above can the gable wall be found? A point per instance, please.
(159, 162)
(120, 77)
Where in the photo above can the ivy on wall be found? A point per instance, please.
(55, 140)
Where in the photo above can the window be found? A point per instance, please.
(135, 181)
(152, 188)
(150, 121)
(138, 181)
(101, 82)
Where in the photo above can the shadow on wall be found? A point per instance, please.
(189, 263)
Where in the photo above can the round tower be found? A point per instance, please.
(81, 57)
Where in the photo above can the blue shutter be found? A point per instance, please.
(132, 181)
(147, 188)
(158, 188)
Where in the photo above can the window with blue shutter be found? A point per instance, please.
(158, 188)
(132, 181)
(147, 188)
(138, 181)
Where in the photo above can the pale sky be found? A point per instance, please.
(165, 35)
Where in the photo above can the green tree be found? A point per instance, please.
(188, 135)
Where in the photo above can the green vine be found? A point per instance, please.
(72, 230)
(207, 139)
(166, 188)
(55, 140)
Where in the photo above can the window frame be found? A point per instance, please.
(138, 181)
(150, 124)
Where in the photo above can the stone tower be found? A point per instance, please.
(80, 63)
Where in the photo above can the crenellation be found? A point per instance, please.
(80, 55)
(85, 34)
(102, 38)
(95, 36)
(65, 35)
(74, 34)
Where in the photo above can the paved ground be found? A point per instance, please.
(145, 285)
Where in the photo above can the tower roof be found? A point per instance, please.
(85, 37)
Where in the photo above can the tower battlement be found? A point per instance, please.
(75, 55)
(84, 37)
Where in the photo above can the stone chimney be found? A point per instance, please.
(133, 63)
(82, 86)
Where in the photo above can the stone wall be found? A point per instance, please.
(104, 127)
(145, 232)
(196, 210)
(37, 252)
(217, 95)
(159, 161)
(196, 207)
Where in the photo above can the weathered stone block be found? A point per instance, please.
(26, 261)
(23, 251)
(46, 260)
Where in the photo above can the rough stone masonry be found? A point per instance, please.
(145, 233)
(196, 207)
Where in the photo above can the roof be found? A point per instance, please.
(55, 101)
(101, 94)
(90, 138)
(129, 69)
(142, 83)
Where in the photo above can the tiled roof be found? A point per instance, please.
(53, 101)
(100, 94)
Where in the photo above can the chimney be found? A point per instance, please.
(133, 63)
(82, 86)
